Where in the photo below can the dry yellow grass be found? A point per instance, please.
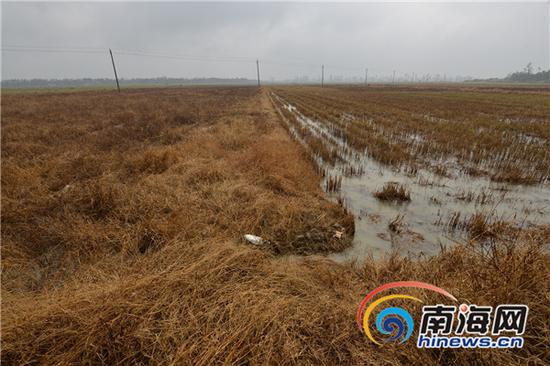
(122, 244)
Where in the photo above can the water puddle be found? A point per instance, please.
(439, 205)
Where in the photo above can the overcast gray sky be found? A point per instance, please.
(290, 39)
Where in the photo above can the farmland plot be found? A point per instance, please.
(464, 159)
(122, 236)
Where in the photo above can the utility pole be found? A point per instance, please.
(258, 71)
(366, 77)
(322, 76)
(114, 69)
(393, 77)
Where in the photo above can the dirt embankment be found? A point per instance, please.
(142, 260)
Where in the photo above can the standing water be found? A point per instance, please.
(439, 206)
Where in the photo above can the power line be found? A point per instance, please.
(126, 52)
(185, 57)
(52, 50)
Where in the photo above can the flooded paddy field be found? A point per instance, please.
(422, 169)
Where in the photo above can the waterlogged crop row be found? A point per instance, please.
(504, 136)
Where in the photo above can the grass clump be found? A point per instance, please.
(393, 191)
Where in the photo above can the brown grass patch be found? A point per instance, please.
(393, 191)
(111, 182)
(219, 302)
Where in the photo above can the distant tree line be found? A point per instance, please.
(88, 82)
(527, 75)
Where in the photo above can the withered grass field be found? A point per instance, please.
(122, 225)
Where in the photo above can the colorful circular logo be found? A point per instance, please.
(395, 323)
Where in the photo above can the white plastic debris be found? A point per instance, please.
(66, 188)
(253, 239)
(338, 234)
